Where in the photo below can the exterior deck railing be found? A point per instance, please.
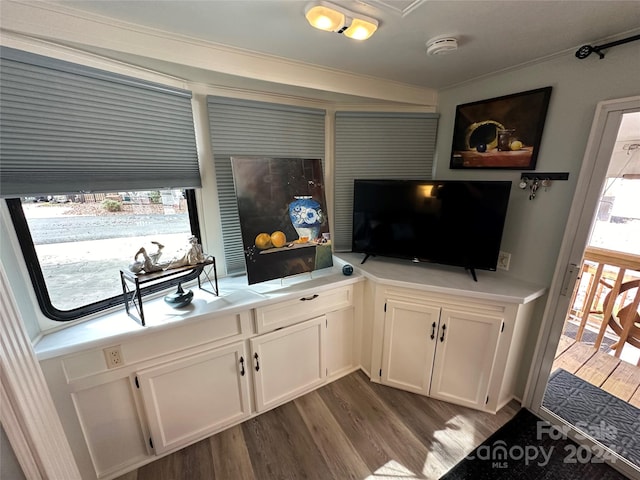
(607, 296)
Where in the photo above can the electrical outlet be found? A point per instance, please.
(113, 355)
(504, 259)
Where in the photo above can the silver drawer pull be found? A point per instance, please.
(313, 297)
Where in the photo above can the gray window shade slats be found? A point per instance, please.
(378, 145)
(251, 128)
(29, 78)
(229, 215)
(54, 65)
(66, 128)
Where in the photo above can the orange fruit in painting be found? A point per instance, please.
(263, 241)
(278, 239)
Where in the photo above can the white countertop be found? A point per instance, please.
(443, 279)
(235, 296)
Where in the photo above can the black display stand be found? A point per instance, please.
(132, 283)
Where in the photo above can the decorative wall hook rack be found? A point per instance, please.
(586, 50)
(534, 180)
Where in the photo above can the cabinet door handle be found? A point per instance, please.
(312, 297)
(242, 366)
(444, 327)
(433, 330)
(257, 361)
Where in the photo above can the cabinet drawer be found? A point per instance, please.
(293, 311)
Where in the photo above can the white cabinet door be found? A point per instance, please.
(288, 362)
(409, 343)
(340, 341)
(195, 396)
(465, 354)
(111, 426)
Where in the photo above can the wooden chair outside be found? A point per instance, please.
(626, 320)
(616, 277)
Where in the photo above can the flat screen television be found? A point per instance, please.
(448, 222)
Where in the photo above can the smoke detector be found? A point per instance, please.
(442, 45)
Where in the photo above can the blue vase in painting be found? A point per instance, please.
(307, 217)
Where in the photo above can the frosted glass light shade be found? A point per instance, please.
(361, 29)
(324, 18)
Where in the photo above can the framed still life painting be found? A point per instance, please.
(502, 132)
(283, 216)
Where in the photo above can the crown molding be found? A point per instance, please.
(66, 26)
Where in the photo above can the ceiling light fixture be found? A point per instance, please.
(442, 45)
(361, 29)
(323, 17)
(332, 18)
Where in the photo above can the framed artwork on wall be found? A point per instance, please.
(283, 216)
(500, 133)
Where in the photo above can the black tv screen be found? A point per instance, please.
(448, 222)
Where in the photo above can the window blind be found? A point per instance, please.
(378, 145)
(66, 127)
(251, 128)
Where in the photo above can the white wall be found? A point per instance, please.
(534, 229)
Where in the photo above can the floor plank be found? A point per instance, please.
(574, 357)
(564, 344)
(280, 446)
(376, 433)
(230, 455)
(340, 455)
(635, 399)
(623, 381)
(598, 368)
(426, 421)
(195, 462)
(450, 432)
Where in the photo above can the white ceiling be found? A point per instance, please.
(492, 35)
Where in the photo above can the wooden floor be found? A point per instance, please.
(349, 429)
(617, 377)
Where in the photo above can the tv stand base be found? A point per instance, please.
(472, 271)
(367, 255)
